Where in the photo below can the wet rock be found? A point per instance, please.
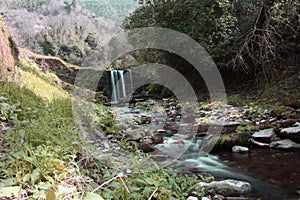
(150, 102)
(226, 142)
(145, 119)
(173, 129)
(165, 133)
(266, 135)
(282, 111)
(135, 135)
(228, 126)
(284, 144)
(285, 123)
(157, 139)
(292, 133)
(146, 147)
(160, 120)
(239, 149)
(267, 126)
(227, 187)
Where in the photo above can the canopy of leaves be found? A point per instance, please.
(222, 27)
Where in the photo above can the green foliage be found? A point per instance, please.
(48, 47)
(105, 119)
(29, 66)
(129, 146)
(143, 183)
(8, 111)
(142, 105)
(42, 144)
(211, 23)
(223, 139)
(70, 53)
(111, 9)
(245, 127)
(236, 100)
(254, 111)
(159, 91)
(26, 102)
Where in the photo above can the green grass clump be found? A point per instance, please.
(246, 127)
(41, 144)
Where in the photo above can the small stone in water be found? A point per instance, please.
(239, 149)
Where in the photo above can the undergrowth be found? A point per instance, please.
(42, 151)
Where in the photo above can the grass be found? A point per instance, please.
(43, 153)
(47, 91)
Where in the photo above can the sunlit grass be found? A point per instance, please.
(41, 88)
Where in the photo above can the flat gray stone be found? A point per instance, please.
(227, 187)
(266, 135)
(284, 144)
(291, 130)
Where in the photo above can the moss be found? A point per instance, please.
(281, 110)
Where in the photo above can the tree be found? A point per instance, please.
(248, 35)
(267, 41)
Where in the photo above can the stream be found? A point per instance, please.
(272, 173)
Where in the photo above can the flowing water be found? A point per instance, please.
(120, 84)
(273, 174)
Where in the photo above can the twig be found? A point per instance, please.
(106, 182)
(124, 185)
(259, 143)
(152, 194)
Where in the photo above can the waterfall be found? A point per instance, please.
(113, 87)
(131, 83)
(121, 84)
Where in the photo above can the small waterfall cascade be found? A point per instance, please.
(121, 84)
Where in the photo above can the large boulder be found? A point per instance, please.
(266, 135)
(227, 187)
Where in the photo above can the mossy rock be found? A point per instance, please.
(226, 142)
(282, 111)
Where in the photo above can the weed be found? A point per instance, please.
(245, 127)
